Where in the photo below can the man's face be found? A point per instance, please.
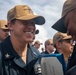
(50, 47)
(70, 23)
(37, 46)
(67, 46)
(24, 31)
(3, 33)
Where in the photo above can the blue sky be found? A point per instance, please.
(50, 9)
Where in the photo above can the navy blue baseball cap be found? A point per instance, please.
(68, 6)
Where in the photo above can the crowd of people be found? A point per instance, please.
(19, 52)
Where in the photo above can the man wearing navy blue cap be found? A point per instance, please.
(67, 23)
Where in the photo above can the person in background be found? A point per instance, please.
(63, 44)
(67, 24)
(37, 44)
(42, 49)
(4, 31)
(19, 57)
(49, 48)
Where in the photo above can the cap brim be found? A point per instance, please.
(38, 19)
(5, 27)
(59, 26)
(68, 37)
(37, 31)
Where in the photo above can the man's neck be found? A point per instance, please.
(19, 47)
(66, 56)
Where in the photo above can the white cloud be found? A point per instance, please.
(42, 33)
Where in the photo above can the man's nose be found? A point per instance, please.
(73, 43)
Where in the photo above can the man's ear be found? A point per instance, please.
(10, 26)
(58, 45)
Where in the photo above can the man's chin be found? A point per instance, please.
(30, 41)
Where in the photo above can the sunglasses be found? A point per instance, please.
(69, 41)
(49, 44)
(5, 30)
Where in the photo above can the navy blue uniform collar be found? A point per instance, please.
(10, 54)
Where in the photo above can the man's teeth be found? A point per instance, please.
(28, 32)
